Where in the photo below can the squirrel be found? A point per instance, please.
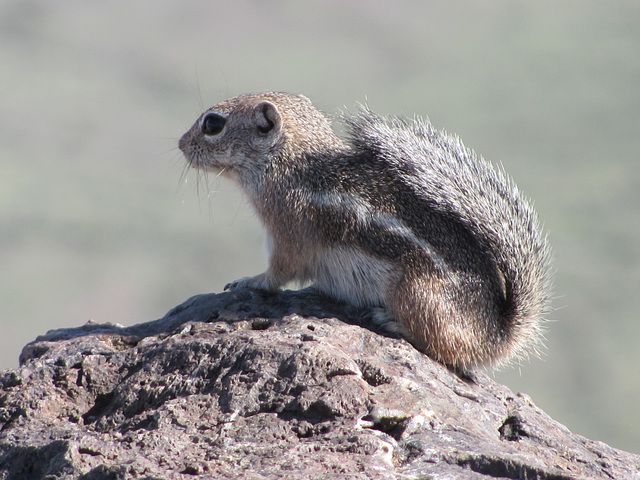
(399, 217)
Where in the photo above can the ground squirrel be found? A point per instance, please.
(400, 216)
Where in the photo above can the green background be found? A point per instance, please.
(99, 219)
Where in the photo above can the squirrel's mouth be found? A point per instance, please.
(196, 157)
(205, 166)
(205, 163)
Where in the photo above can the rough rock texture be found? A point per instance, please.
(254, 386)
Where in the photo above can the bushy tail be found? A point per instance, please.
(458, 182)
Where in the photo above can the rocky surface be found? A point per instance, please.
(257, 386)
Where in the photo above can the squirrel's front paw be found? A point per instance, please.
(245, 282)
(259, 282)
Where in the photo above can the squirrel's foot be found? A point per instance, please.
(383, 319)
(259, 282)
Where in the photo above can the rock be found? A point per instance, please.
(267, 386)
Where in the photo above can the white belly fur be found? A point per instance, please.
(353, 276)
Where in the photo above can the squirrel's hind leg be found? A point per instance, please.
(428, 313)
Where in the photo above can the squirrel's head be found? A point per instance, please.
(239, 136)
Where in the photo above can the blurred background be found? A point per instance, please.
(97, 220)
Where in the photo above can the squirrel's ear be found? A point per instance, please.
(267, 117)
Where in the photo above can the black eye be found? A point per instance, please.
(213, 124)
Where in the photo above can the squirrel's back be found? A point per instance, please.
(400, 216)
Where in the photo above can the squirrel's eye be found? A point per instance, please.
(213, 124)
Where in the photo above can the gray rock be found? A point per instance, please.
(268, 386)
